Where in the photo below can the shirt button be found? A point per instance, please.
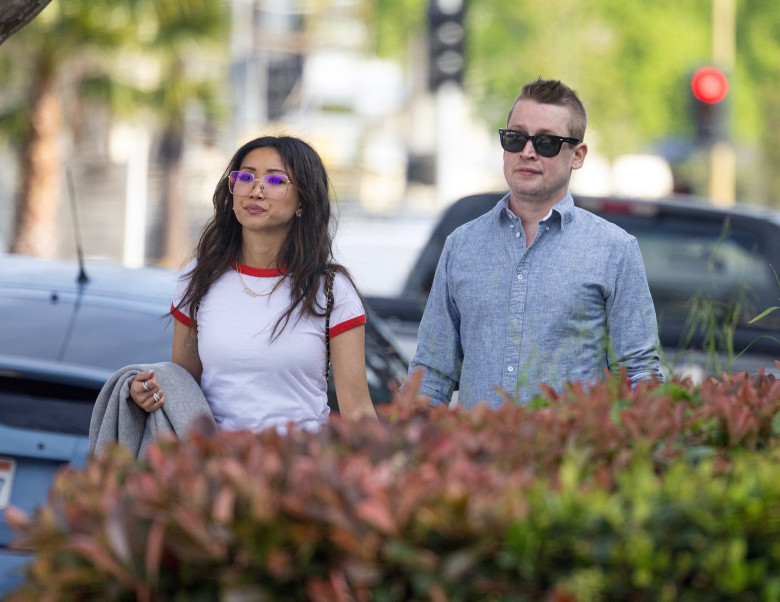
(547, 227)
(512, 226)
(519, 276)
(510, 369)
(517, 235)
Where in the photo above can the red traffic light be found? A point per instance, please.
(710, 85)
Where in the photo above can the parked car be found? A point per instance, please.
(710, 271)
(64, 333)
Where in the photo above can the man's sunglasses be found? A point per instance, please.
(545, 145)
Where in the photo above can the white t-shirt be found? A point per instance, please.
(249, 381)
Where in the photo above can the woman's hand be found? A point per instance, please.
(146, 391)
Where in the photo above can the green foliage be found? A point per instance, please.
(629, 61)
(658, 492)
(396, 23)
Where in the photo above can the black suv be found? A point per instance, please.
(711, 271)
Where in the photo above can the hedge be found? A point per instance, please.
(603, 492)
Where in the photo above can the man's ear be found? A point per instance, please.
(579, 155)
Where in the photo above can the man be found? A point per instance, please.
(536, 290)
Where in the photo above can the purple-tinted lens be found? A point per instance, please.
(274, 180)
(241, 182)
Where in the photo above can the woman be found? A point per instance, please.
(250, 309)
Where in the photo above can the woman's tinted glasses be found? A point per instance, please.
(545, 145)
(273, 185)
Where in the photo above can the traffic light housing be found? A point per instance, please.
(445, 42)
(709, 88)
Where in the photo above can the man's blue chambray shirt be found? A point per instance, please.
(501, 315)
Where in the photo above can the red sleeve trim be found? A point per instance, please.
(348, 325)
(181, 316)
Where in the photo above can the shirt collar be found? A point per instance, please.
(258, 272)
(564, 208)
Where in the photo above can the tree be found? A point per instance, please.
(185, 30)
(67, 32)
(629, 61)
(89, 51)
(15, 14)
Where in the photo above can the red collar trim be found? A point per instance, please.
(259, 272)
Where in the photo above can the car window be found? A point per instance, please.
(420, 279)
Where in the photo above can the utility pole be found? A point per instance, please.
(722, 155)
(446, 36)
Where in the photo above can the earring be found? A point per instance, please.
(299, 213)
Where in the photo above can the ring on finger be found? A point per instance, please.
(156, 397)
(146, 386)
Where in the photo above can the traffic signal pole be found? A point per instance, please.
(445, 77)
(722, 154)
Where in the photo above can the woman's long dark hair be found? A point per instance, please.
(306, 253)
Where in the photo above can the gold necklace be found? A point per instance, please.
(248, 290)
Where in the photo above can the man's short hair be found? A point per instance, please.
(554, 92)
